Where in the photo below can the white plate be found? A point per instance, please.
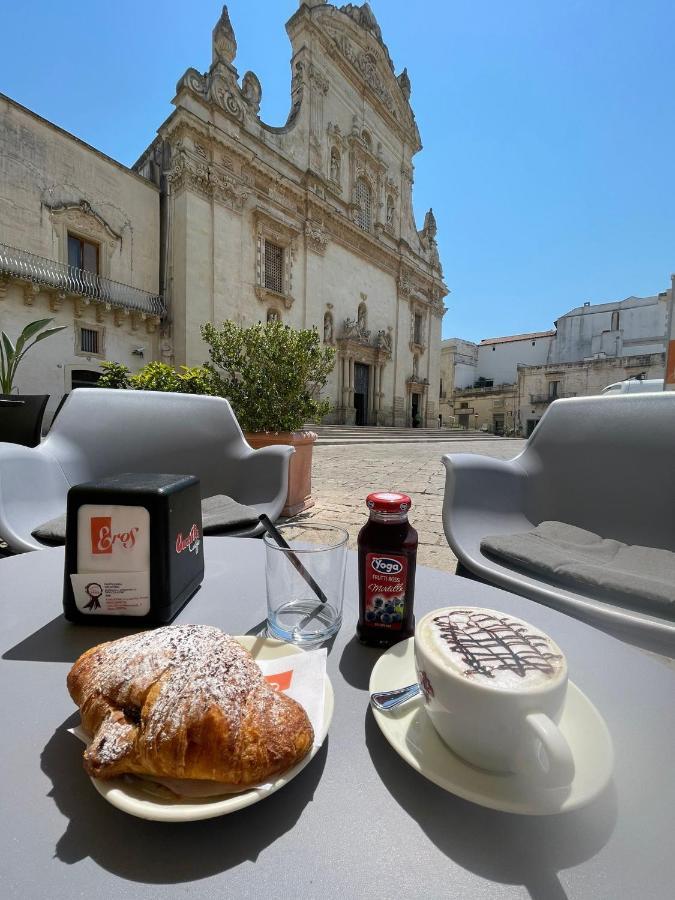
(410, 732)
(137, 802)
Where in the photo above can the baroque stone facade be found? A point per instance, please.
(57, 196)
(311, 223)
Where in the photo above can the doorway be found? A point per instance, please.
(531, 425)
(361, 381)
(415, 410)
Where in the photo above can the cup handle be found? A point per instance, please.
(545, 756)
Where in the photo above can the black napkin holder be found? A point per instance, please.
(134, 546)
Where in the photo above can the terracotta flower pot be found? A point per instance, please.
(299, 495)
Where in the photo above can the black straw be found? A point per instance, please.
(292, 557)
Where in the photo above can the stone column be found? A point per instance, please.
(371, 395)
(350, 397)
(379, 386)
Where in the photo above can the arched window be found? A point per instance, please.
(273, 315)
(364, 204)
(615, 320)
(367, 140)
(335, 164)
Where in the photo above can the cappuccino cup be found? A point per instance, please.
(494, 689)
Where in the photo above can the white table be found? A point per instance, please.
(358, 822)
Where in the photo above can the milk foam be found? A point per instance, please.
(491, 648)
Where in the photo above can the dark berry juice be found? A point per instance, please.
(387, 559)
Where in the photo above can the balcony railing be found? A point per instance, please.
(69, 280)
(546, 398)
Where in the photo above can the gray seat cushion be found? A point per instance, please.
(638, 577)
(220, 515)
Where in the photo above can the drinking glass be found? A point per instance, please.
(295, 613)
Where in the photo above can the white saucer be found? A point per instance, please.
(136, 800)
(410, 732)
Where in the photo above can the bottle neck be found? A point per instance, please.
(388, 518)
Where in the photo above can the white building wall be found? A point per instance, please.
(587, 330)
(499, 361)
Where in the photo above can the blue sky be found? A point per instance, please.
(548, 127)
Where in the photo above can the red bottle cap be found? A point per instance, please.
(388, 501)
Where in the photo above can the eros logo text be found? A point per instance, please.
(103, 539)
(190, 542)
(386, 566)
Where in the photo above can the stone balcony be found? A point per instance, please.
(67, 281)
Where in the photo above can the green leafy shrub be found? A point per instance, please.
(158, 376)
(115, 375)
(271, 374)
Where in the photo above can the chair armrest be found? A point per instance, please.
(482, 496)
(263, 478)
(33, 489)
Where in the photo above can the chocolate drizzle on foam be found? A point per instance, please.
(488, 644)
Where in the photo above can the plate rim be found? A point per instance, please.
(114, 791)
(488, 799)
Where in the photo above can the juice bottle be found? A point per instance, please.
(387, 558)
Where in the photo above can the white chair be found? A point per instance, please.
(603, 464)
(101, 432)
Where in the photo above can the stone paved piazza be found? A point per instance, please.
(344, 474)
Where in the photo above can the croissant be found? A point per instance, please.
(185, 702)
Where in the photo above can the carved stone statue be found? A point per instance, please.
(383, 340)
(363, 316)
(334, 165)
(354, 330)
(224, 41)
(404, 83)
(327, 328)
(430, 227)
(252, 90)
(390, 212)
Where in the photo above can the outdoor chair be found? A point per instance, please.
(601, 464)
(101, 432)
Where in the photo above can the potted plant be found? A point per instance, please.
(272, 376)
(22, 414)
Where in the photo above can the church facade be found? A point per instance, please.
(311, 223)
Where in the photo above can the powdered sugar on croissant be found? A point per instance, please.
(185, 701)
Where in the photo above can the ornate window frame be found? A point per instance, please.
(270, 228)
(418, 308)
(81, 220)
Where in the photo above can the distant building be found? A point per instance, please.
(505, 384)
(499, 358)
(458, 370)
(79, 242)
(480, 379)
(628, 327)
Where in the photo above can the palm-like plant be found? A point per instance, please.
(11, 355)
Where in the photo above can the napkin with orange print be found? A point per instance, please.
(302, 677)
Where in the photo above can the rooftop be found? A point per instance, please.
(517, 337)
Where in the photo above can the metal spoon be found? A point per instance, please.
(389, 699)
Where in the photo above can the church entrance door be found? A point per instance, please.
(361, 380)
(415, 410)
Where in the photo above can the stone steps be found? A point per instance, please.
(345, 434)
